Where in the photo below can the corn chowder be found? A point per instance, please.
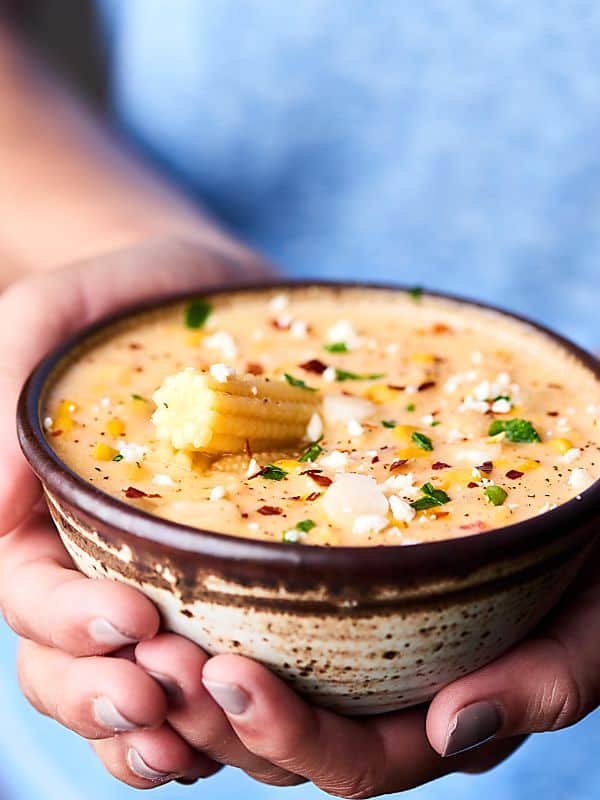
(329, 416)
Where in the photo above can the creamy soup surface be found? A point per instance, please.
(427, 419)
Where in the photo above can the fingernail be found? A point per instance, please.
(472, 726)
(172, 690)
(139, 767)
(231, 698)
(105, 633)
(106, 714)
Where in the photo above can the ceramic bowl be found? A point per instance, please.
(359, 630)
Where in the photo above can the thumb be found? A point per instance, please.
(550, 681)
(37, 313)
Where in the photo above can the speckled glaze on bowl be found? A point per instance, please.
(360, 630)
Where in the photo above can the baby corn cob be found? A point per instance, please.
(197, 412)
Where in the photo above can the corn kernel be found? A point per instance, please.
(115, 427)
(103, 452)
(459, 477)
(561, 446)
(422, 358)
(404, 433)
(412, 452)
(136, 472)
(287, 464)
(194, 338)
(63, 418)
(380, 393)
(527, 465)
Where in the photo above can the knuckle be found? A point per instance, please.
(561, 699)
(276, 777)
(361, 785)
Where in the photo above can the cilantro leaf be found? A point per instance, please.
(411, 407)
(312, 452)
(422, 441)
(118, 457)
(336, 347)
(495, 494)
(432, 497)
(305, 525)
(272, 473)
(388, 423)
(517, 430)
(344, 375)
(196, 313)
(435, 423)
(138, 397)
(416, 293)
(298, 382)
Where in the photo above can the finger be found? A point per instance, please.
(45, 599)
(145, 759)
(548, 682)
(177, 665)
(344, 757)
(79, 295)
(95, 697)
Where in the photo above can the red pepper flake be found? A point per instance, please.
(269, 511)
(440, 465)
(317, 477)
(487, 466)
(472, 485)
(281, 324)
(313, 496)
(427, 385)
(552, 413)
(474, 526)
(56, 433)
(440, 327)
(254, 368)
(513, 474)
(314, 365)
(135, 346)
(375, 459)
(396, 387)
(440, 514)
(135, 494)
(398, 464)
(248, 451)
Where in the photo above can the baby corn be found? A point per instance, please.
(195, 411)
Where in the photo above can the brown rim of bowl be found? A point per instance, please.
(255, 556)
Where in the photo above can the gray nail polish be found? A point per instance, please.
(105, 633)
(172, 690)
(106, 714)
(472, 726)
(231, 698)
(139, 767)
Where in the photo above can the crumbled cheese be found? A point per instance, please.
(579, 478)
(223, 341)
(340, 408)
(131, 452)
(292, 536)
(329, 375)
(253, 526)
(411, 389)
(104, 402)
(278, 303)
(334, 460)
(355, 428)
(503, 379)
(314, 429)
(163, 480)
(404, 485)
(343, 331)
(351, 496)
(455, 435)
(218, 493)
(401, 510)
(369, 523)
(391, 349)
(428, 419)
(48, 423)
(483, 391)
(469, 404)
(221, 372)
(299, 329)
(253, 468)
(570, 456)
(501, 406)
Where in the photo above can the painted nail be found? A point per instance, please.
(106, 714)
(172, 690)
(139, 767)
(472, 726)
(231, 698)
(105, 633)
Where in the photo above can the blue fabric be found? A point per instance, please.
(450, 144)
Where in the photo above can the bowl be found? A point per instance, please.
(358, 630)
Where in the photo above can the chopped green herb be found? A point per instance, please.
(290, 537)
(435, 423)
(411, 407)
(517, 430)
(138, 397)
(336, 347)
(305, 525)
(118, 457)
(272, 473)
(432, 497)
(416, 292)
(344, 375)
(196, 313)
(422, 441)
(388, 423)
(298, 382)
(501, 397)
(495, 494)
(312, 452)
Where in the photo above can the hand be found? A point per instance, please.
(549, 681)
(69, 623)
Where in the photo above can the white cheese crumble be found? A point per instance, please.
(339, 408)
(218, 493)
(334, 460)
(343, 331)
(299, 329)
(278, 303)
(401, 510)
(501, 406)
(221, 372)
(369, 523)
(292, 536)
(253, 526)
(314, 429)
(48, 423)
(104, 402)
(351, 496)
(163, 480)
(404, 485)
(223, 341)
(355, 428)
(329, 375)
(570, 456)
(428, 419)
(253, 468)
(391, 349)
(131, 452)
(579, 478)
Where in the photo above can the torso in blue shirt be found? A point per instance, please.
(450, 144)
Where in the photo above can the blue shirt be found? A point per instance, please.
(453, 145)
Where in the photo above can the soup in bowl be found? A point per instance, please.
(372, 491)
